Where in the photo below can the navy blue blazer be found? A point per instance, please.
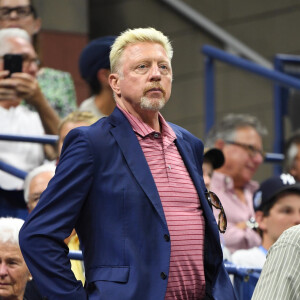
(104, 188)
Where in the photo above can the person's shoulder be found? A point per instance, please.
(49, 72)
(85, 104)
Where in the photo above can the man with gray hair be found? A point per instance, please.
(131, 184)
(18, 119)
(239, 136)
(291, 163)
(36, 182)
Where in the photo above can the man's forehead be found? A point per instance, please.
(137, 47)
(21, 46)
(13, 3)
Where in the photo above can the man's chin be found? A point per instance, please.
(152, 104)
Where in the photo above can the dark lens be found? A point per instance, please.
(215, 200)
(222, 222)
(23, 11)
(4, 11)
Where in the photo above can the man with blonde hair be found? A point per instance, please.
(131, 184)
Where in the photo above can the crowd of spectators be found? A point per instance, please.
(40, 100)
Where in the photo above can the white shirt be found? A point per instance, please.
(19, 120)
(254, 257)
(89, 105)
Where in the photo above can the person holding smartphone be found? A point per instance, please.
(17, 119)
(56, 85)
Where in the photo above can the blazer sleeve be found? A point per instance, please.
(42, 235)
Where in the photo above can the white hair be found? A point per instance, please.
(36, 171)
(9, 230)
(7, 34)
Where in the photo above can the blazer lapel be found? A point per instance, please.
(187, 155)
(135, 158)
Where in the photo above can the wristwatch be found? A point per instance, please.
(251, 223)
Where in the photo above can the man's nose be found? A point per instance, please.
(155, 73)
(258, 158)
(3, 269)
(13, 15)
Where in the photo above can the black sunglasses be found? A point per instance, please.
(22, 11)
(252, 150)
(214, 200)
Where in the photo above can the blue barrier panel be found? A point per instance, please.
(245, 280)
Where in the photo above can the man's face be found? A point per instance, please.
(21, 46)
(284, 214)
(14, 273)
(295, 170)
(146, 77)
(65, 129)
(240, 163)
(14, 20)
(37, 185)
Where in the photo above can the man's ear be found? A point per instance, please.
(114, 82)
(37, 25)
(260, 219)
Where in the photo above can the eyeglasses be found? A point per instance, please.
(21, 11)
(30, 60)
(252, 150)
(214, 200)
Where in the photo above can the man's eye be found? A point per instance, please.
(142, 66)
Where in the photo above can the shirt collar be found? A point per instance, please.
(144, 129)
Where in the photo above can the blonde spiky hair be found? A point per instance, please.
(132, 36)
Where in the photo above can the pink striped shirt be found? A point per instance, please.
(180, 203)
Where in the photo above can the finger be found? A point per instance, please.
(4, 73)
(23, 76)
(7, 94)
(25, 91)
(8, 83)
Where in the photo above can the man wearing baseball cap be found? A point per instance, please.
(213, 159)
(277, 208)
(94, 67)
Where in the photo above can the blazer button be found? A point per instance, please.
(163, 275)
(167, 238)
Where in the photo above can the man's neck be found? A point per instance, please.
(7, 104)
(105, 102)
(266, 242)
(147, 116)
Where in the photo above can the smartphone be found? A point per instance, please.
(13, 63)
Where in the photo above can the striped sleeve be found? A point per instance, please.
(280, 277)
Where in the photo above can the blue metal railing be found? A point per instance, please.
(277, 77)
(45, 139)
